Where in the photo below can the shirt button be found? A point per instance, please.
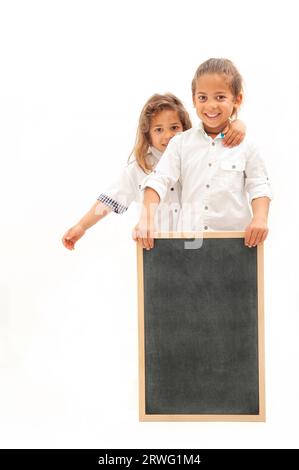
(233, 166)
(210, 164)
(206, 227)
(206, 208)
(175, 210)
(171, 189)
(207, 185)
(213, 143)
(139, 186)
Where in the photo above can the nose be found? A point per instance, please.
(169, 134)
(211, 105)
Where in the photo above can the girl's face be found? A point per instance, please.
(163, 127)
(214, 102)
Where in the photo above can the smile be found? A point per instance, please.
(212, 116)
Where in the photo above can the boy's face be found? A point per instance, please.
(163, 127)
(214, 101)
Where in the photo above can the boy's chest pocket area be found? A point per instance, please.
(230, 174)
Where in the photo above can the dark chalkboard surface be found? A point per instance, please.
(201, 328)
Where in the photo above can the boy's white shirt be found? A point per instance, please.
(218, 183)
(127, 189)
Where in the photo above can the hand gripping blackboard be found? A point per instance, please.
(201, 329)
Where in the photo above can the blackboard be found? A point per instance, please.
(201, 344)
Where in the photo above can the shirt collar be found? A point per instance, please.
(201, 128)
(155, 153)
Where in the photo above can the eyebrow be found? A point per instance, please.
(171, 124)
(215, 93)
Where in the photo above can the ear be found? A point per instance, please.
(237, 104)
(238, 101)
(193, 99)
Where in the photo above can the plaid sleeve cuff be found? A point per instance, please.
(116, 206)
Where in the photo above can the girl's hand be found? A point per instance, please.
(256, 232)
(143, 233)
(72, 236)
(234, 133)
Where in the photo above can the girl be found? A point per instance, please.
(161, 118)
(216, 182)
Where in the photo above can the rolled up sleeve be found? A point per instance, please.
(119, 195)
(257, 183)
(167, 172)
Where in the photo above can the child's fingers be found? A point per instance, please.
(151, 238)
(259, 237)
(226, 130)
(265, 234)
(253, 235)
(143, 235)
(68, 243)
(235, 140)
(229, 138)
(147, 241)
(248, 236)
(65, 242)
(134, 235)
(254, 240)
(140, 236)
(262, 236)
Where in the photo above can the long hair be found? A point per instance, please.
(154, 105)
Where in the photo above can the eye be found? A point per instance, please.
(175, 128)
(201, 98)
(221, 97)
(158, 130)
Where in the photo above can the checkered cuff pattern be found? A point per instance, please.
(116, 206)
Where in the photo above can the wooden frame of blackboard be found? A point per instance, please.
(143, 416)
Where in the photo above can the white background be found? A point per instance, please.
(74, 76)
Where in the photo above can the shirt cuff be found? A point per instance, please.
(159, 187)
(115, 206)
(263, 191)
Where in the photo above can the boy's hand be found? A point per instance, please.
(256, 232)
(143, 233)
(72, 236)
(234, 133)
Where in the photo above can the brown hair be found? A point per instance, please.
(222, 67)
(155, 104)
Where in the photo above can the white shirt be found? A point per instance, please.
(127, 189)
(218, 182)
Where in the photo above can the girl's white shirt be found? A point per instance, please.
(218, 183)
(127, 189)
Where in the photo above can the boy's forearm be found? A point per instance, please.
(151, 201)
(260, 208)
(97, 212)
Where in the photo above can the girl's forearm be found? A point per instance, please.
(97, 212)
(260, 208)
